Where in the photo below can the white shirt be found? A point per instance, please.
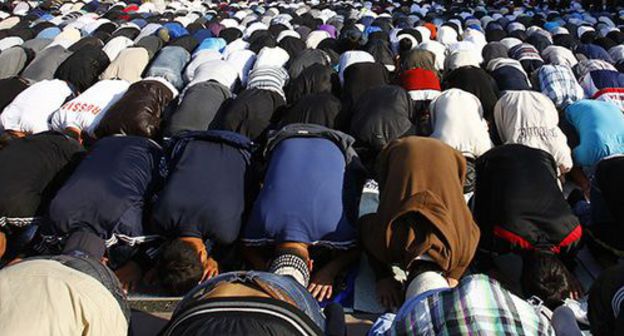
(457, 118)
(30, 111)
(531, 119)
(116, 46)
(271, 57)
(217, 70)
(83, 111)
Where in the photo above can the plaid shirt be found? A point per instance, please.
(558, 83)
(477, 306)
(587, 66)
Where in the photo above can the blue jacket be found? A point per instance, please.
(175, 30)
(311, 189)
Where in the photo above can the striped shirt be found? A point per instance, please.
(268, 78)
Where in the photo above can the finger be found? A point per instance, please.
(330, 291)
(323, 293)
(311, 287)
(316, 291)
(205, 275)
(316, 295)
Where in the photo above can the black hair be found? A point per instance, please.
(405, 45)
(6, 138)
(544, 275)
(179, 268)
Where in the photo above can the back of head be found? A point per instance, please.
(405, 45)
(179, 267)
(545, 276)
(5, 139)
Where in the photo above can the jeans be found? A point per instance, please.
(97, 270)
(369, 202)
(285, 284)
(169, 65)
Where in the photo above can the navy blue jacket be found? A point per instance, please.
(207, 181)
(108, 190)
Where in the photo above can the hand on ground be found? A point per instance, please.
(389, 293)
(129, 275)
(321, 284)
(211, 269)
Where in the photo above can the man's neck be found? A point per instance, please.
(197, 243)
(300, 249)
(17, 134)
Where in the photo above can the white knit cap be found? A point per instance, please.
(424, 282)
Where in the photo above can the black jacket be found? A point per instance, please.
(31, 170)
(316, 78)
(83, 67)
(381, 115)
(518, 204)
(250, 113)
(138, 112)
(321, 109)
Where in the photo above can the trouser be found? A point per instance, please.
(97, 270)
(169, 65)
(471, 176)
(607, 202)
(369, 202)
(286, 285)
